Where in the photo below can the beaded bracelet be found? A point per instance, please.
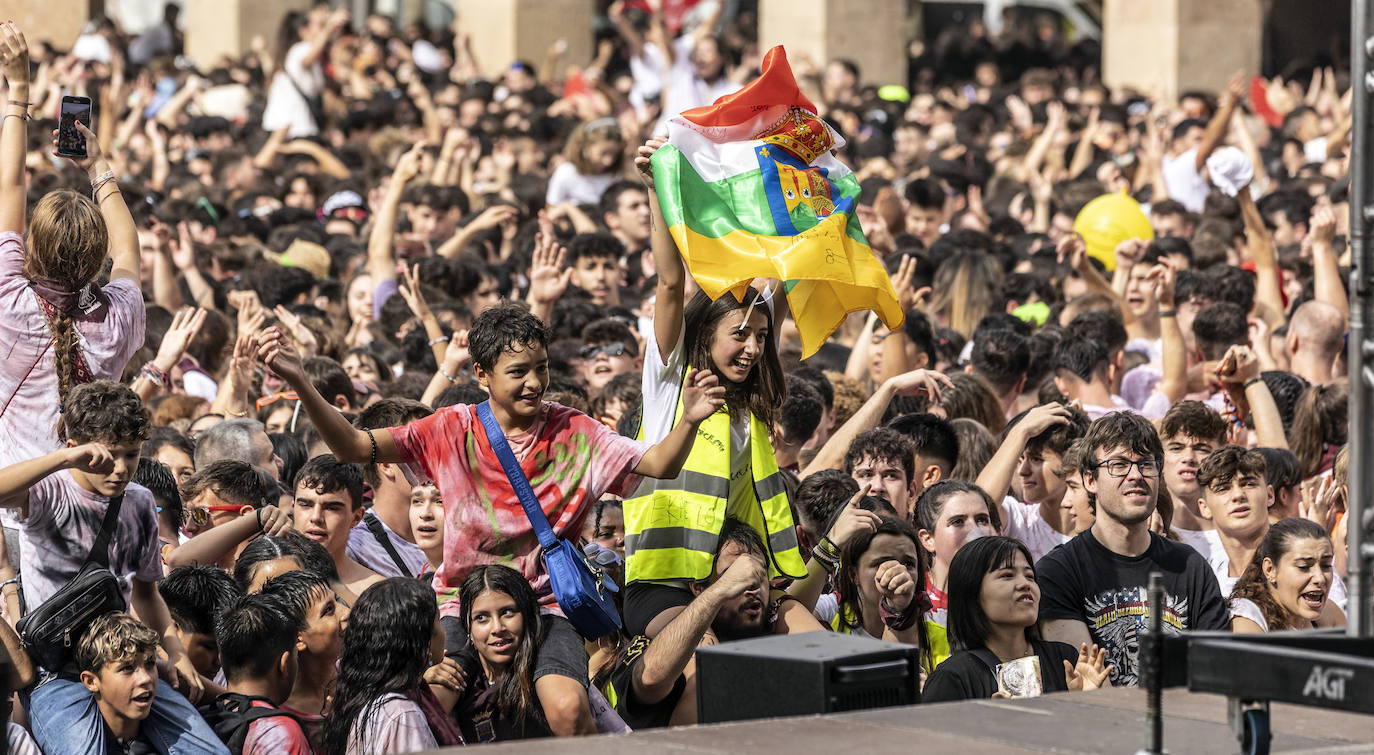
(440, 339)
(444, 372)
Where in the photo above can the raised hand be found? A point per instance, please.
(643, 155)
(1073, 250)
(1130, 252)
(302, 335)
(1239, 365)
(93, 154)
(273, 521)
(1043, 417)
(930, 382)
(91, 458)
(408, 166)
(1163, 276)
(549, 276)
(702, 396)
(1091, 671)
(895, 584)
(275, 350)
(1322, 226)
(14, 55)
(853, 519)
(907, 297)
(185, 325)
(183, 249)
(410, 291)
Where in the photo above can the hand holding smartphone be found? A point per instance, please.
(70, 141)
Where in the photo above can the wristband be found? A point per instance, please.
(1168, 313)
(828, 547)
(373, 440)
(443, 372)
(898, 620)
(102, 178)
(1252, 381)
(20, 103)
(233, 413)
(259, 515)
(440, 339)
(8, 582)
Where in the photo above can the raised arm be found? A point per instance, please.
(348, 443)
(1216, 128)
(14, 134)
(995, 479)
(702, 396)
(672, 274)
(1259, 245)
(1326, 269)
(1174, 360)
(659, 668)
(381, 265)
(16, 479)
(831, 455)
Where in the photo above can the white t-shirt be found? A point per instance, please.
(286, 107)
(1246, 608)
(1220, 561)
(684, 89)
(1024, 522)
(567, 185)
(647, 69)
(1184, 182)
(662, 380)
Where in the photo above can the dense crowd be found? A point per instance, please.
(264, 342)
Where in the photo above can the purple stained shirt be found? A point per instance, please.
(28, 381)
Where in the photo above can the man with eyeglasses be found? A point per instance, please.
(1093, 588)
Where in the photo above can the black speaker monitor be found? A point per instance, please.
(803, 674)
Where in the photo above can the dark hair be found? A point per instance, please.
(1081, 356)
(762, 392)
(800, 413)
(516, 697)
(610, 198)
(1102, 327)
(1226, 463)
(819, 497)
(326, 474)
(932, 501)
(1127, 429)
(1218, 327)
(742, 535)
(503, 329)
(816, 378)
(313, 556)
(1252, 584)
(160, 436)
(236, 482)
(967, 624)
(1287, 390)
(195, 595)
(330, 379)
(1281, 469)
(103, 411)
(882, 444)
(850, 614)
(158, 479)
(1233, 285)
(292, 452)
(385, 650)
(1002, 357)
(1194, 419)
(974, 398)
(253, 632)
(610, 330)
(933, 437)
(925, 193)
(1057, 437)
(259, 551)
(595, 244)
(298, 590)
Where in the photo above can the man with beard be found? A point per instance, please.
(1093, 588)
(653, 682)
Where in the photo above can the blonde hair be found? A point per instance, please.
(587, 134)
(965, 286)
(67, 245)
(113, 637)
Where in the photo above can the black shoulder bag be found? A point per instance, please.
(50, 631)
(374, 525)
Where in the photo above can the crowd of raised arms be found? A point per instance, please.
(260, 314)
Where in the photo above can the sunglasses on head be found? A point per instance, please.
(199, 516)
(609, 349)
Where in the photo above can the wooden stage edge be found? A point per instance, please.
(1104, 721)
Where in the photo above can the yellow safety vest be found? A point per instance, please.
(844, 621)
(672, 527)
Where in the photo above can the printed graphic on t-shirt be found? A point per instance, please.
(1117, 619)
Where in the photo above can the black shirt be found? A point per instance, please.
(1084, 581)
(964, 676)
(619, 691)
(480, 719)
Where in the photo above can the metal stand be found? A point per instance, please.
(1152, 668)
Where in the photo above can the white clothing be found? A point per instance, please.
(567, 185)
(1184, 182)
(286, 99)
(1024, 522)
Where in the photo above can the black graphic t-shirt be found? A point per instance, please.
(1084, 581)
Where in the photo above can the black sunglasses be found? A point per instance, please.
(609, 349)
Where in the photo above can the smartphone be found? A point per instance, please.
(70, 142)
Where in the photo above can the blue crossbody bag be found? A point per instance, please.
(583, 590)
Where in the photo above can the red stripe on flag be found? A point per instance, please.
(775, 86)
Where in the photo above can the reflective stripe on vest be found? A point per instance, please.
(672, 527)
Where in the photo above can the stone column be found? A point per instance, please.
(869, 32)
(227, 27)
(504, 31)
(1180, 45)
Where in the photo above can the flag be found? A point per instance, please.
(749, 189)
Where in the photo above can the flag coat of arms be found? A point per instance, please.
(749, 189)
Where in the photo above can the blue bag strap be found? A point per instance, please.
(521, 484)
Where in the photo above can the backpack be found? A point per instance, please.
(231, 714)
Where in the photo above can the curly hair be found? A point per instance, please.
(104, 411)
(385, 650)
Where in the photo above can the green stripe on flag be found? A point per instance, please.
(713, 209)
